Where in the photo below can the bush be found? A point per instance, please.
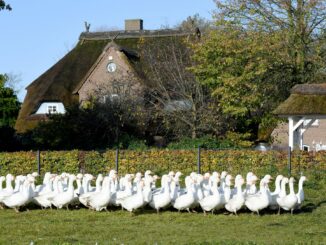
(208, 142)
(162, 161)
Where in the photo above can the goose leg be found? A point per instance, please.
(158, 211)
(258, 212)
(188, 210)
(279, 210)
(204, 213)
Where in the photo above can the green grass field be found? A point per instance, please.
(170, 227)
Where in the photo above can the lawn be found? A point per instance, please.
(170, 227)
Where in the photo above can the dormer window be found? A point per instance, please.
(51, 108)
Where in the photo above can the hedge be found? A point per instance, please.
(162, 161)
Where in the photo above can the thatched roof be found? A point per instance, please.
(305, 99)
(63, 78)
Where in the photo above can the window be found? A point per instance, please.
(306, 147)
(52, 109)
(178, 105)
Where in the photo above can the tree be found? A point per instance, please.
(256, 53)
(4, 6)
(300, 21)
(179, 100)
(9, 104)
(193, 22)
(242, 70)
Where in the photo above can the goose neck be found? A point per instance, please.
(9, 185)
(300, 184)
(291, 188)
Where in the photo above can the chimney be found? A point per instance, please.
(134, 25)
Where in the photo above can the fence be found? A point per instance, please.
(163, 161)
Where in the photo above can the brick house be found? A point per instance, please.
(101, 61)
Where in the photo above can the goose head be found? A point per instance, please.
(10, 177)
(215, 174)
(79, 176)
(112, 173)
(303, 178)
(199, 179)
(35, 174)
(291, 180)
(100, 178)
(178, 174)
(279, 178)
(228, 180)
(207, 176)
(239, 180)
(249, 176)
(171, 173)
(267, 178)
(224, 174)
(147, 173)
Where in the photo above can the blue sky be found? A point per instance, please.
(37, 33)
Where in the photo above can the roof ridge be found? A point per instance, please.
(131, 34)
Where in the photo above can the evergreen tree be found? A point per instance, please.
(9, 104)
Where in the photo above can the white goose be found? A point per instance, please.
(9, 190)
(44, 200)
(275, 194)
(300, 194)
(126, 191)
(136, 201)
(206, 185)
(100, 200)
(251, 184)
(162, 200)
(289, 201)
(185, 201)
(210, 202)
(21, 198)
(65, 198)
(225, 192)
(260, 201)
(86, 184)
(46, 187)
(237, 201)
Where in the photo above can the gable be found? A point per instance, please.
(112, 73)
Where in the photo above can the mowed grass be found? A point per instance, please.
(82, 226)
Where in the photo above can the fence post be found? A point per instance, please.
(117, 160)
(198, 161)
(289, 160)
(38, 159)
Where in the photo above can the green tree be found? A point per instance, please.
(301, 23)
(9, 104)
(241, 68)
(4, 6)
(256, 53)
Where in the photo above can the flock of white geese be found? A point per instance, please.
(211, 192)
